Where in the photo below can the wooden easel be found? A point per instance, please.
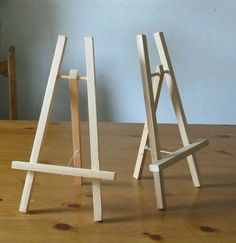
(150, 131)
(94, 173)
(8, 69)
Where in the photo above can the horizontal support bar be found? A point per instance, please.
(63, 170)
(155, 74)
(162, 151)
(178, 155)
(159, 73)
(67, 77)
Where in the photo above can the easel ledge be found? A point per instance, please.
(63, 170)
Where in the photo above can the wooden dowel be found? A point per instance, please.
(67, 77)
(160, 72)
(155, 74)
(165, 152)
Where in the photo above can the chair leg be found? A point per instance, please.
(12, 83)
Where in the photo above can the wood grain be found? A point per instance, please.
(61, 212)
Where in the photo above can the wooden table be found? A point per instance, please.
(62, 212)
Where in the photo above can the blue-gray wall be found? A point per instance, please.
(201, 36)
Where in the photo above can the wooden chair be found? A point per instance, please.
(8, 69)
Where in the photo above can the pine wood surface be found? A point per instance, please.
(60, 211)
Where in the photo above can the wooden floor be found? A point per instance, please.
(62, 212)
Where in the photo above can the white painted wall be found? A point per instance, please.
(202, 42)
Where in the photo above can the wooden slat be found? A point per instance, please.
(151, 117)
(93, 126)
(42, 124)
(178, 155)
(63, 170)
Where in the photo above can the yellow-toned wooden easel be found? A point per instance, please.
(150, 131)
(94, 173)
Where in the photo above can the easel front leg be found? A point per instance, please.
(159, 189)
(97, 200)
(151, 116)
(93, 126)
(194, 170)
(138, 170)
(157, 84)
(29, 180)
(42, 124)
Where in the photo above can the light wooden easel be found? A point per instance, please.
(94, 173)
(150, 131)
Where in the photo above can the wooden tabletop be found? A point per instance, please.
(60, 211)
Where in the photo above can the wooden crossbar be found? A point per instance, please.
(63, 170)
(179, 154)
(67, 77)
